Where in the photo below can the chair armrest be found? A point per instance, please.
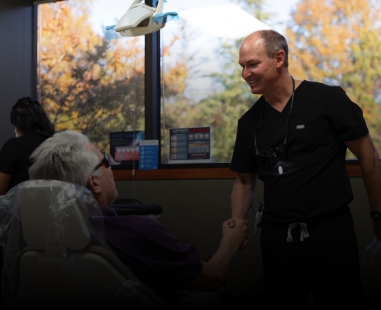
(137, 209)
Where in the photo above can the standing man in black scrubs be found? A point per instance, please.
(294, 139)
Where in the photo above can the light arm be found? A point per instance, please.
(242, 195)
(215, 271)
(369, 159)
(5, 179)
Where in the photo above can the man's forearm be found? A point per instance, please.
(240, 203)
(369, 159)
(242, 198)
(371, 173)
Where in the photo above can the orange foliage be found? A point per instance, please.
(87, 83)
(339, 42)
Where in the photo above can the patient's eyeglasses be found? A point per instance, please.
(104, 162)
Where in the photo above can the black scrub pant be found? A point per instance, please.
(326, 264)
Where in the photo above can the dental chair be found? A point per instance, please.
(129, 206)
(65, 260)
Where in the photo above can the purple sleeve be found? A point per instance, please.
(152, 252)
(173, 261)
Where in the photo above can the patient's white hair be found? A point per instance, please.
(64, 157)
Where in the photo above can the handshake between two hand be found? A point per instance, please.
(237, 231)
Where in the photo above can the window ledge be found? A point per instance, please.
(354, 171)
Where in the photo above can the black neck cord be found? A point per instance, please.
(292, 105)
(263, 112)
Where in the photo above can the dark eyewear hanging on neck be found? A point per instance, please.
(277, 152)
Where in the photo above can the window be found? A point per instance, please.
(201, 80)
(201, 83)
(85, 82)
(97, 86)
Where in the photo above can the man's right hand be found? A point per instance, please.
(236, 231)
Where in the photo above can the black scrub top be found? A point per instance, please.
(312, 180)
(14, 157)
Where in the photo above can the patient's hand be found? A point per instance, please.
(236, 232)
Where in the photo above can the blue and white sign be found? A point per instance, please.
(148, 154)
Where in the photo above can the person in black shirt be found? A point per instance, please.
(294, 139)
(32, 127)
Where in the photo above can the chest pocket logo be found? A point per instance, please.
(308, 133)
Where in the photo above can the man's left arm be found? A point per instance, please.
(369, 159)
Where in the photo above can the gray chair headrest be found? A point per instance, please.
(51, 216)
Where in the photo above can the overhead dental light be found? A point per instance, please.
(141, 19)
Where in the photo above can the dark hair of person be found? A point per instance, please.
(29, 117)
(273, 42)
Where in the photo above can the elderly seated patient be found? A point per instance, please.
(149, 249)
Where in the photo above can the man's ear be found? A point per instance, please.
(280, 57)
(93, 184)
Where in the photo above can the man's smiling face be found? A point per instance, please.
(258, 70)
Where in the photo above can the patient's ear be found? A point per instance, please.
(93, 184)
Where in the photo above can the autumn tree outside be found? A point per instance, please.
(96, 86)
